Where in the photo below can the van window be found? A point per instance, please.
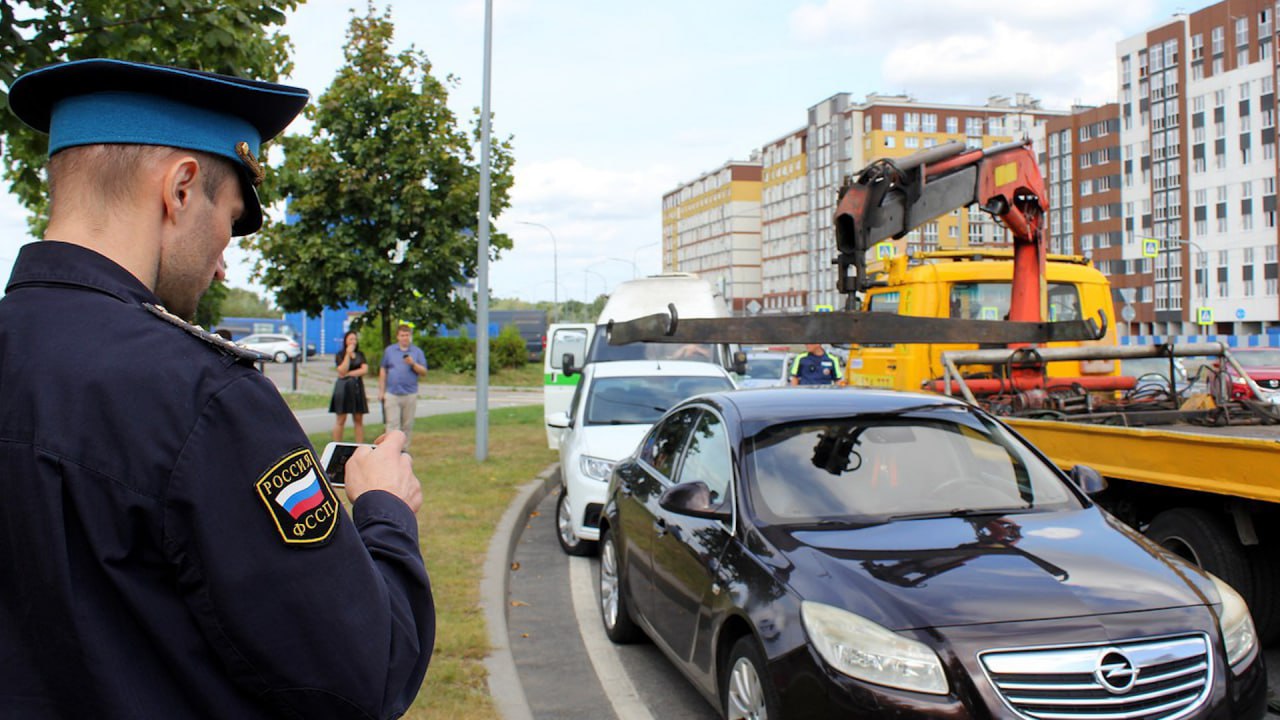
(602, 351)
(990, 301)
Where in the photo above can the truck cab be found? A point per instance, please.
(974, 285)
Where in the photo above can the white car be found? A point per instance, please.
(614, 406)
(281, 348)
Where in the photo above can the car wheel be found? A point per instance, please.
(744, 690)
(614, 607)
(570, 543)
(282, 357)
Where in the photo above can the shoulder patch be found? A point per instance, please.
(299, 499)
(213, 339)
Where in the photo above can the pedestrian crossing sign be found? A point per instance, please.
(1204, 316)
(1150, 247)
(989, 312)
(823, 308)
(884, 251)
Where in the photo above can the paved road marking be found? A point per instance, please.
(626, 702)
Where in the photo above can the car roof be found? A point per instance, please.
(630, 368)
(759, 408)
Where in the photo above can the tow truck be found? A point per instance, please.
(1196, 473)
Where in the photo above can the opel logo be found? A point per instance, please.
(1115, 672)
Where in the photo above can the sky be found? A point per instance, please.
(611, 105)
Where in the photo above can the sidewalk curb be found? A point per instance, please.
(504, 680)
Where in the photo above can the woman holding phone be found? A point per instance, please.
(348, 391)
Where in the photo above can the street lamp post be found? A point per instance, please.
(586, 297)
(635, 254)
(555, 270)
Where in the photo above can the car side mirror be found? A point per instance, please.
(558, 420)
(692, 499)
(740, 362)
(1088, 479)
(566, 365)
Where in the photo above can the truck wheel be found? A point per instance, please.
(1200, 538)
(1265, 603)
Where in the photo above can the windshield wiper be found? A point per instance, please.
(959, 513)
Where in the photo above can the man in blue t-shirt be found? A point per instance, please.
(816, 367)
(402, 365)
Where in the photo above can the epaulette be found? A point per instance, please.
(213, 339)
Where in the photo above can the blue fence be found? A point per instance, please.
(1268, 340)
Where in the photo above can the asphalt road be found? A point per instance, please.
(569, 668)
(564, 659)
(317, 376)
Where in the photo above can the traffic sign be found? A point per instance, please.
(884, 251)
(1150, 247)
(989, 312)
(823, 308)
(1239, 313)
(1204, 316)
(1127, 313)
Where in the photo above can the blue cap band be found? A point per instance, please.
(142, 119)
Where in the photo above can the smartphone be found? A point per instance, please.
(334, 460)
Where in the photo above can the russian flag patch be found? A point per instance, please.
(302, 504)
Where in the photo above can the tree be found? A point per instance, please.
(383, 194)
(246, 303)
(233, 37)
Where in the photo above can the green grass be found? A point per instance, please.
(305, 401)
(463, 500)
(528, 375)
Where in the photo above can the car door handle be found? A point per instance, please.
(660, 527)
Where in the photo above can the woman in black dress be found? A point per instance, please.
(348, 391)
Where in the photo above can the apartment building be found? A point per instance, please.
(802, 172)
(1083, 166)
(1197, 110)
(711, 226)
(784, 224)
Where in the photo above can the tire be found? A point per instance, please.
(571, 544)
(1202, 539)
(1265, 604)
(615, 608)
(282, 357)
(746, 693)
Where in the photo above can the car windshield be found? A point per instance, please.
(876, 468)
(643, 399)
(764, 368)
(1258, 358)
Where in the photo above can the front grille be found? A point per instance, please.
(1157, 679)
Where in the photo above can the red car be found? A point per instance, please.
(1261, 364)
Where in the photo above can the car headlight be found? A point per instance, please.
(1235, 622)
(596, 468)
(862, 649)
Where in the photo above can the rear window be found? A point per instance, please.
(990, 301)
(644, 399)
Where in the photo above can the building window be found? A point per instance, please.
(889, 122)
(953, 125)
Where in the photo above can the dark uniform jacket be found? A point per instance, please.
(168, 546)
(816, 369)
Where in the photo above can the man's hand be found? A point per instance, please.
(387, 468)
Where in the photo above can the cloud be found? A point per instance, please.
(964, 52)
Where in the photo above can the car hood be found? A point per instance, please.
(611, 442)
(961, 571)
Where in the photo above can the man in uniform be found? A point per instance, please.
(815, 367)
(169, 546)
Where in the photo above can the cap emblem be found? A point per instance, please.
(251, 162)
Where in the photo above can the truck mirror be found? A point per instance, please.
(740, 362)
(1088, 479)
(566, 365)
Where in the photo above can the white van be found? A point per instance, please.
(692, 296)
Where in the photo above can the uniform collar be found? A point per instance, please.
(50, 262)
